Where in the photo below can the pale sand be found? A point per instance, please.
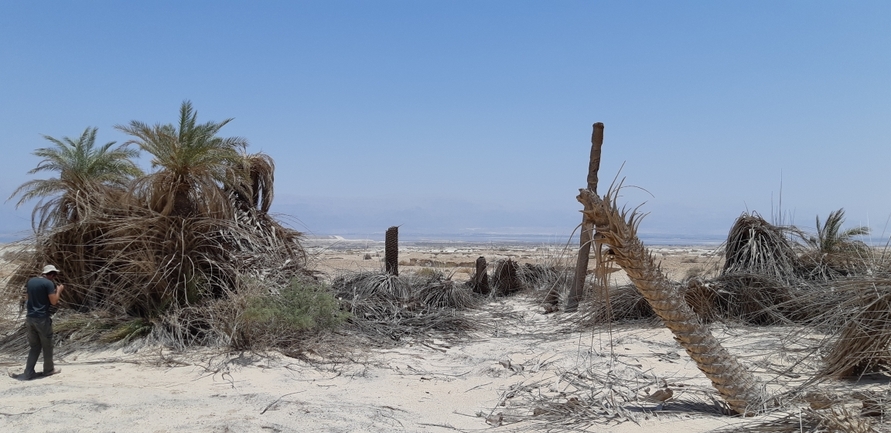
(424, 384)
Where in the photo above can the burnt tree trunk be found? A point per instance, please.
(391, 251)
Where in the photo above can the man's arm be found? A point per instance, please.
(54, 297)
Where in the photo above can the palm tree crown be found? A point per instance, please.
(832, 239)
(194, 164)
(83, 169)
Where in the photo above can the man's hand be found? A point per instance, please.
(54, 297)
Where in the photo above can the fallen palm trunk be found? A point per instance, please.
(618, 229)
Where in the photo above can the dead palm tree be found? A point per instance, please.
(194, 165)
(618, 230)
(86, 173)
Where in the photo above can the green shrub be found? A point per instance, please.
(277, 319)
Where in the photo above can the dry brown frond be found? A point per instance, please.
(864, 343)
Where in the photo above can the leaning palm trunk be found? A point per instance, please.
(581, 268)
(617, 229)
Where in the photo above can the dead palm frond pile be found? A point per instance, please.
(857, 312)
(506, 279)
(383, 304)
(143, 265)
(622, 304)
(755, 246)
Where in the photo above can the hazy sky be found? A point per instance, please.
(459, 117)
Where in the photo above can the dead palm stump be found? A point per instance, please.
(480, 281)
(391, 251)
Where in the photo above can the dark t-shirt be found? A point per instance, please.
(39, 289)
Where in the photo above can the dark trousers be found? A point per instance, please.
(40, 338)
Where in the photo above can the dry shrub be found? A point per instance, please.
(752, 298)
(544, 276)
(441, 293)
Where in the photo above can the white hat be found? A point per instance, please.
(49, 268)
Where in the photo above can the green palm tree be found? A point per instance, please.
(195, 165)
(831, 239)
(835, 250)
(86, 173)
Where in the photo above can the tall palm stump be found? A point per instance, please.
(586, 236)
(391, 251)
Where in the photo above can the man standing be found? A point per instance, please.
(43, 291)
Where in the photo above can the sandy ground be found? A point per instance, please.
(519, 363)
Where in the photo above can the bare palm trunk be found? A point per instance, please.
(737, 386)
(586, 236)
(391, 251)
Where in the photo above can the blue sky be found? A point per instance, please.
(460, 117)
